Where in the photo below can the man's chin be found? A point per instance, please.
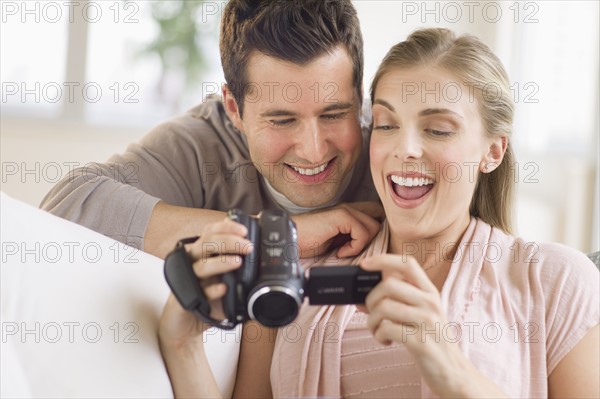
(312, 199)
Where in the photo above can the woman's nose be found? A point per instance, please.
(408, 145)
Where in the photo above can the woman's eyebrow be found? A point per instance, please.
(385, 104)
(436, 111)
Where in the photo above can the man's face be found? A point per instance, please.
(302, 125)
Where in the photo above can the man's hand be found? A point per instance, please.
(349, 226)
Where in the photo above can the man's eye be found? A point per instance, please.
(334, 117)
(385, 127)
(282, 122)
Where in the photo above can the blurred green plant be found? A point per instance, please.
(178, 43)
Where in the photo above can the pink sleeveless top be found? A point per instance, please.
(515, 308)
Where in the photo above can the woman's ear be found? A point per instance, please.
(231, 108)
(495, 154)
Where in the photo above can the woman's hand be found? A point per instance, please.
(405, 307)
(180, 332)
(216, 252)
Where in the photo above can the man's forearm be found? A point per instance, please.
(168, 224)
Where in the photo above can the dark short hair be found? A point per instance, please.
(297, 31)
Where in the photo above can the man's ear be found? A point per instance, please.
(231, 108)
(493, 158)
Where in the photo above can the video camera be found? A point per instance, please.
(270, 285)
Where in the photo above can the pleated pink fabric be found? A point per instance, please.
(515, 308)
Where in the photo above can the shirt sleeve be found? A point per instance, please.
(116, 198)
(572, 300)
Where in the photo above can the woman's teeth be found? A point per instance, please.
(310, 172)
(411, 181)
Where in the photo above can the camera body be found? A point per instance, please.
(270, 285)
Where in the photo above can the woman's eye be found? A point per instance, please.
(440, 133)
(282, 122)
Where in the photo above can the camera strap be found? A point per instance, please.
(179, 273)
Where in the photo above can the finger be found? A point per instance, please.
(362, 308)
(406, 267)
(362, 229)
(369, 222)
(393, 311)
(359, 240)
(220, 243)
(383, 332)
(227, 226)
(400, 291)
(208, 267)
(371, 208)
(215, 291)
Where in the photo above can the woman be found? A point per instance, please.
(464, 308)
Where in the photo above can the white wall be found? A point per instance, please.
(35, 154)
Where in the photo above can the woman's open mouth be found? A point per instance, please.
(410, 191)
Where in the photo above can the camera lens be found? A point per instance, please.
(274, 306)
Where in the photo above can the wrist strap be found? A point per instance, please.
(179, 273)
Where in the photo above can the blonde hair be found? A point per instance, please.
(472, 61)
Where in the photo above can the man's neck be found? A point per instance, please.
(292, 208)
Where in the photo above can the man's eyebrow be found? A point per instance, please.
(436, 111)
(338, 107)
(385, 104)
(276, 112)
(283, 112)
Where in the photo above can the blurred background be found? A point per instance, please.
(81, 80)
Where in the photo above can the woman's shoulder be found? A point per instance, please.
(557, 269)
(551, 256)
(519, 251)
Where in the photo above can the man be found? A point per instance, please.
(286, 133)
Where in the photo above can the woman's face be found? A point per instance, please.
(428, 147)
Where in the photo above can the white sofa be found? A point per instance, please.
(79, 313)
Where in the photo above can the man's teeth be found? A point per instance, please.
(411, 181)
(310, 172)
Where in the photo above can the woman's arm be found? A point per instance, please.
(254, 366)
(406, 301)
(180, 332)
(192, 377)
(182, 348)
(577, 375)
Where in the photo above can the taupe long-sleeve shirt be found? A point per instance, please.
(195, 160)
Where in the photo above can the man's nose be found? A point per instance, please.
(313, 144)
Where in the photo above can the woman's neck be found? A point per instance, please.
(433, 252)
